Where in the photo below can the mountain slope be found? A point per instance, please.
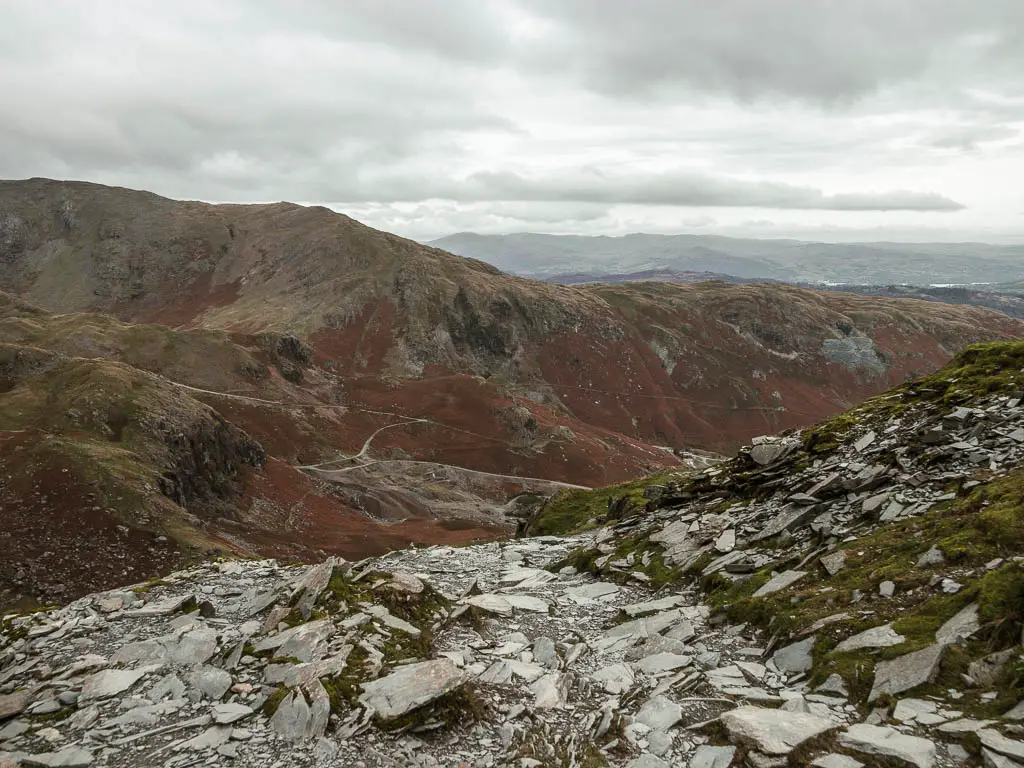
(393, 320)
(849, 595)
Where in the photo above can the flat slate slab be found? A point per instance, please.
(783, 580)
(883, 636)
(773, 731)
(411, 686)
(906, 672)
(888, 742)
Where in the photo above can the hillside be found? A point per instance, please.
(877, 263)
(704, 366)
(851, 594)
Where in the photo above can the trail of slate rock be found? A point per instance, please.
(124, 678)
(562, 664)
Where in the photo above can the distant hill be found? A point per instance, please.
(541, 256)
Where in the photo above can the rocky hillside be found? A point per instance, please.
(132, 447)
(705, 366)
(847, 595)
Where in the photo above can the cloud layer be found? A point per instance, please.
(559, 115)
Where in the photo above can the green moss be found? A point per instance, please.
(1001, 604)
(274, 700)
(656, 569)
(571, 509)
(52, 717)
(461, 706)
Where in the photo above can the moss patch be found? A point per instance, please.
(570, 510)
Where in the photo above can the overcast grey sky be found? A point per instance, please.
(832, 119)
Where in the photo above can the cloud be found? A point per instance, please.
(685, 190)
(826, 52)
(576, 114)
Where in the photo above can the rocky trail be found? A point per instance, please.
(849, 595)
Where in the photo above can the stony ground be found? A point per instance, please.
(560, 667)
(851, 596)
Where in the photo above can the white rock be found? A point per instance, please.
(726, 541)
(888, 742)
(707, 756)
(550, 691)
(411, 686)
(999, 743)
(659, 713)
(69, 757)
(111, 682)
(883, 636)
(783, 580)
(835, 760)
(616, 678)
(772, 731)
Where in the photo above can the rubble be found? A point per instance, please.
(748, 604)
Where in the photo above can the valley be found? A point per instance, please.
(278, 488)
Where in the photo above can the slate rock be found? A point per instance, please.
(411, 686)
(659, 713)
(998, 743)
(111, 682)
(906, 672)
(835, 760)
(647, 760)
(14, 704)
(209, 681)
(306, 642)
(662, 662)
(772, 731)
(883, 636)
(767, 453)
(231, 712)
(888, 742)
(712, 757)
(1015, 713)
(933, 556)
(550, 691)
(834, 562)
(794, 658)
(779, 582)
(960, 627)
(69, 757)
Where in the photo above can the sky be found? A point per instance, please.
(822, 119)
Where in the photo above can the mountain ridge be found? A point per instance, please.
(795, 261)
